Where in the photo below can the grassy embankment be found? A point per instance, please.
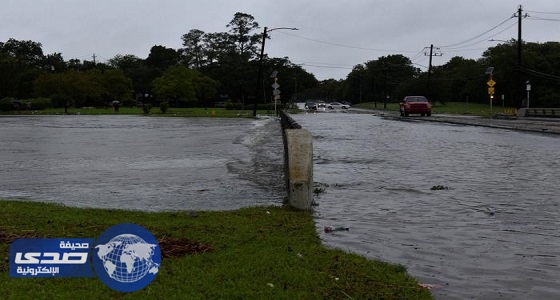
(251, 253)
(461, 108)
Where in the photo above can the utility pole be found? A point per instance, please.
(259, 77)
(519, 89)
(260, 73)
(93, 56)
(432, 53)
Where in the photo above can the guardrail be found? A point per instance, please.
(540, 112)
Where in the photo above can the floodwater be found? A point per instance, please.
(492, 232)
(142, 163)
(472, 211)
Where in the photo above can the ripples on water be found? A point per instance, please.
(142, 163)
(493, 233)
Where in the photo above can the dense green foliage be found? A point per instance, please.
(464, 80)
(222, 66)
(251, 253)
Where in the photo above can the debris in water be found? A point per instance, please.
(340, 228)
(439, 188)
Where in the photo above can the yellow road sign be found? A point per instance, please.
(490, 91)
(491, 83)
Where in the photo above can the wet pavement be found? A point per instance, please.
(529, 124)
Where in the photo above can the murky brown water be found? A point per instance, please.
(492, 233)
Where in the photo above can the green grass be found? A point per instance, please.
(458, 108)
(254, 253)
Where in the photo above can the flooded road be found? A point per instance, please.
(490, 230)
(142, 163)
(473, 211)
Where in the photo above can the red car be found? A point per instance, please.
(415, 105)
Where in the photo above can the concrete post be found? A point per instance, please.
(300, 168)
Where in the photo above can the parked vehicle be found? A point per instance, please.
(310, 105)
(337, 105)
(415, 105)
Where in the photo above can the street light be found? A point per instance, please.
(504, 41)
(261, 65)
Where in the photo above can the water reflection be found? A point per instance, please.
(491, 233)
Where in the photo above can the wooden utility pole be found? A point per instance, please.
(520, 91)
(432, 53)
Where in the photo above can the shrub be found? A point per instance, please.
(39, 103)
(163, 106)
(230, 105)
(147, 107)
(60, 100)
(6, 104)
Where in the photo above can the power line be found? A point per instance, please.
(544, 19)
(541, 74)
(478, 35)
(346, 46)
(542, 12)
(484, 39)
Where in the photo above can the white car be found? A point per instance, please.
(337, 105)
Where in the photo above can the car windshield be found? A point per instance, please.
(415, 99)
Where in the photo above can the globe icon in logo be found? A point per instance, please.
(127, 258)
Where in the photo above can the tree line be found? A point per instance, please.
(389, 78)
(223, 66)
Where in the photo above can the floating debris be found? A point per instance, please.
(439, 188)
(340, 228)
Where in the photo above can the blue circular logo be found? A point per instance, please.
(126, 257)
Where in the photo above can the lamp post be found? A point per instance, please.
(261, 65)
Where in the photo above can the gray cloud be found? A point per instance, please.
(333, 37)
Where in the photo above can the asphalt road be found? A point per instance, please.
(538, 125)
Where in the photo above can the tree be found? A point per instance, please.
(540, 67)
(72, 86)
(458, 80)
(55, 63)
(356, 87)
(136, 69)
(241, 27)
(21, 62)
(8, 75)
(193, 53)
(381, 79)
(161, 57)
(113, 85)
(216, 48)
(176, 83)
(28, 53)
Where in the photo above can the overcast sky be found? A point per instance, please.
(333, 35)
